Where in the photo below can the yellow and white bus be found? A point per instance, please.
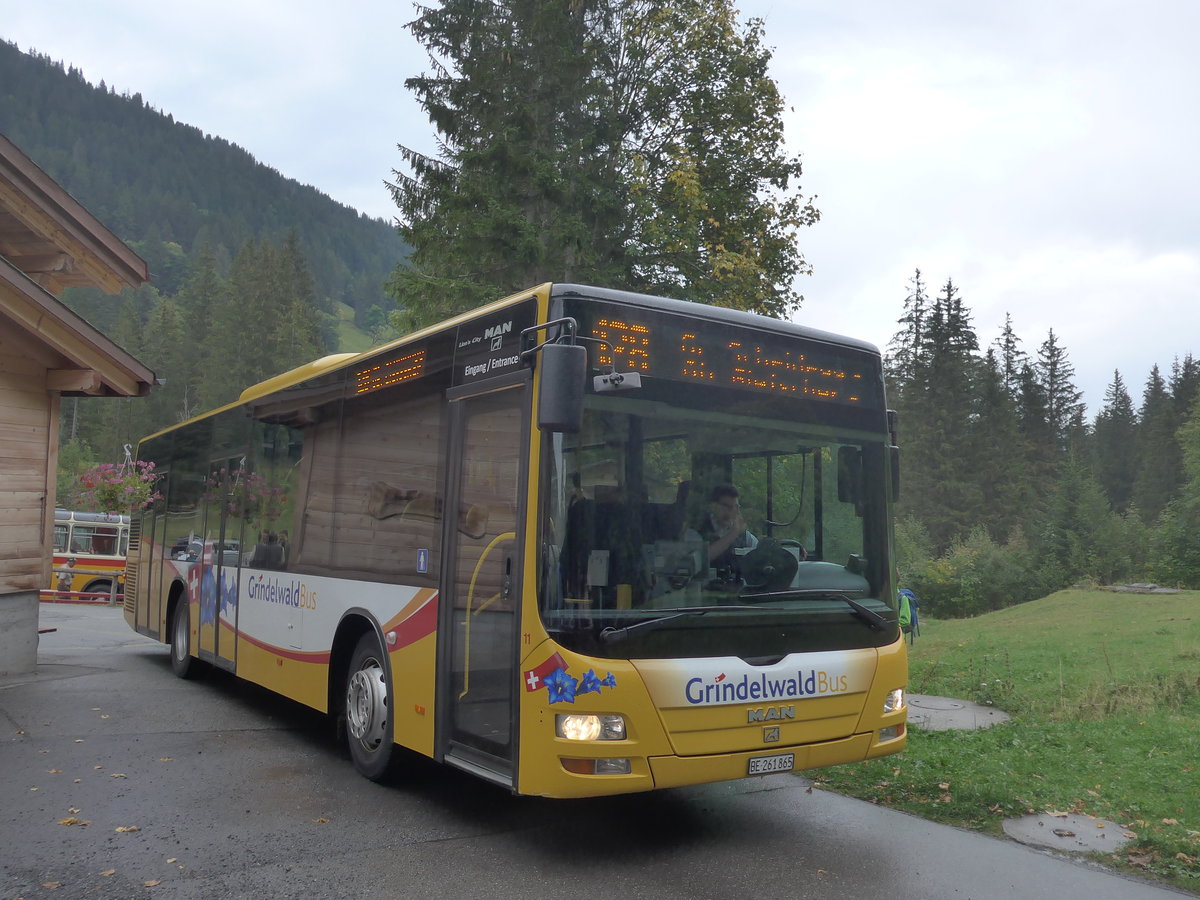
(488, 542)
(89, 556)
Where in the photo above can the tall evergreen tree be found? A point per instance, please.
(1011, 358)
(1158, 451)
(1115, 445)
(628, 142)
(904, 354)
(1184, 386)
(995, 446)
(1064, 411)
(942, 489)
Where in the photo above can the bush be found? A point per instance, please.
(977, 575)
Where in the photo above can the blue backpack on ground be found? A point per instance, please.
(909, 622)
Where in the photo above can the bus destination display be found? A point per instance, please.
(733, 357)
(406, 367)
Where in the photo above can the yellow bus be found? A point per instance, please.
(493, 543)
(89, 556)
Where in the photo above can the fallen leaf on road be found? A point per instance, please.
(54, 771)
(321, 821)
(153, 883)
(122, 829)
(51, 885)
(1062, 832)
(109, 872)
(79, 740)
(118, 775)
(72, 820)
(166, 759)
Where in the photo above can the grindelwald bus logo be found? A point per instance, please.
(784, 686)
(286, 593)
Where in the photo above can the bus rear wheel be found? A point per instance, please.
(368, 721)
(182, 662)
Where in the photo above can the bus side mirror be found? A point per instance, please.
(894, 456)
(562, 379)
(849, 475)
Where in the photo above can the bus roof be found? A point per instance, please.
(337, 361)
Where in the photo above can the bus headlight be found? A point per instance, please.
(578, 727)
(893, 701)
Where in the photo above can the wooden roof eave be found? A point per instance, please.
(97, 366)
(54, 221)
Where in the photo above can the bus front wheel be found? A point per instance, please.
(368, 723)
(182, 663)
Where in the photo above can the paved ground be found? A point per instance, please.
(214, 788)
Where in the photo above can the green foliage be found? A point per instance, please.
(74, 458)
(638, 145)
(1104, 698)
(976, 575)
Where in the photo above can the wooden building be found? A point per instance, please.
(48, 242)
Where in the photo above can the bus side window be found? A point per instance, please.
(81, 539)
(60, 538)
(104, 543)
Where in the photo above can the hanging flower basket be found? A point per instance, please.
(245, 495)
(123, 488)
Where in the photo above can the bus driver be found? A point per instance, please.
(725, 530)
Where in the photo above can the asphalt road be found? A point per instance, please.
(214, 788)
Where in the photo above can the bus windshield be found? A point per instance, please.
(673, 529)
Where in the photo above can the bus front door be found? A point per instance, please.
(481, 589)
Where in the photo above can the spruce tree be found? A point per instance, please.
(1159, 464)
(1114, 445)
(626, 142)
(1055, 373)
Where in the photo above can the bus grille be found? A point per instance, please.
(130, 585)
(131, 567)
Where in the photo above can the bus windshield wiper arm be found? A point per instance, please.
(872, 619)
(612, 635)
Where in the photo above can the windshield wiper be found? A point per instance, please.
(872, 619)
(612, 635)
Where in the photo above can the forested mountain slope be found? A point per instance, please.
(168, 189)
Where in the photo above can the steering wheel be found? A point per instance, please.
(768, 566)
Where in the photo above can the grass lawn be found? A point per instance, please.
(1104, 693)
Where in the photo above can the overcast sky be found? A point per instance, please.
(1041, 154)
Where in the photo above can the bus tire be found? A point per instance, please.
(183, 664)
(98, 587)
(368, 719)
